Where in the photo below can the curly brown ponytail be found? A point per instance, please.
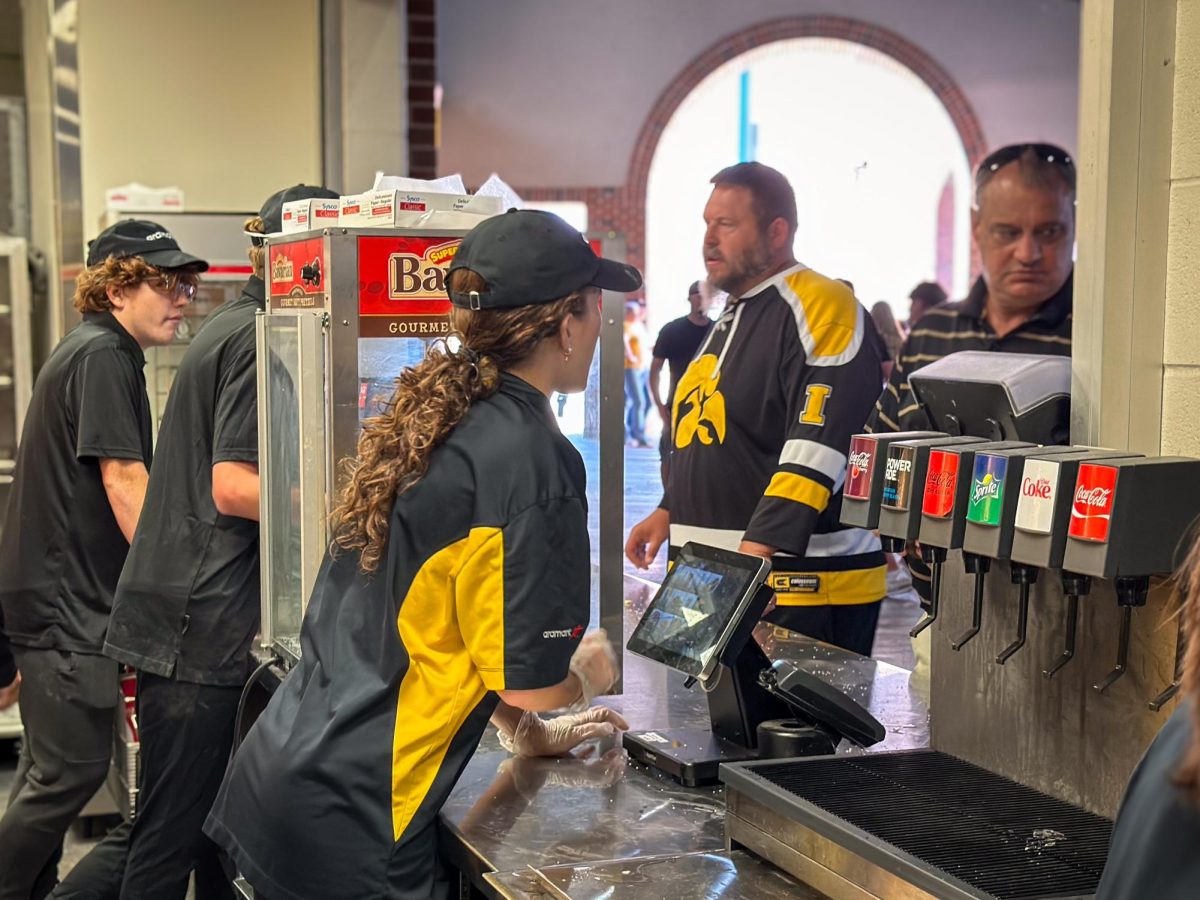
(431, 399)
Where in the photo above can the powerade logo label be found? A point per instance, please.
(897, 477)
(986, 502)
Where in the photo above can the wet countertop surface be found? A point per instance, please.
(596, 824)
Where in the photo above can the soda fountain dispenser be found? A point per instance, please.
(943, 519)
(900, 504)
(1129, 520)
(1040, 528)
(865, 469)
(991, 508)
(998, 396)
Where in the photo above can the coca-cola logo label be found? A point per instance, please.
(1039, 487)
(1097, 497)
(941, 482)
(1092, 502)
(860, 465)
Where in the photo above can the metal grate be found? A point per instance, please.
(998, 836)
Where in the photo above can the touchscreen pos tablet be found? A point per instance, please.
(698, 608)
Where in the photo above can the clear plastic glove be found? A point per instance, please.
(535, 736)
(594, 663)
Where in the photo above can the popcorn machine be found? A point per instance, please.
(347, 310)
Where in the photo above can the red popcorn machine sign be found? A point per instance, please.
(402, 285)
(296, 273)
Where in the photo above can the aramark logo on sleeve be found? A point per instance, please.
(573, 633)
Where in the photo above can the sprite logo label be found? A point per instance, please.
(986, 501)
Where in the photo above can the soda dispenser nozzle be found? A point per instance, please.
(979, 567)
(1131, 592)
(1024, 577)
(1074, 586)
(1173, 688)
(935, 556)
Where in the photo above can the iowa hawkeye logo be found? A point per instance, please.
(412, 277)
(699, 406)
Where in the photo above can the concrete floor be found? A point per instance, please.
(642, 495)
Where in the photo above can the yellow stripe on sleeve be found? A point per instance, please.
(798, 489)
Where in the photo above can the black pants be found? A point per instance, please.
(186, 732)
(851, 626)
(68, 705)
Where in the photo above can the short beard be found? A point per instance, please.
(750, 269)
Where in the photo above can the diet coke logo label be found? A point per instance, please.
(1040, 487)
(1092, 503)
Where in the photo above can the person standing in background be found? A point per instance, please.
(924, 297)
(77, 495)
(889, 331)
(186, 608)
(676, 345)
(635, 339)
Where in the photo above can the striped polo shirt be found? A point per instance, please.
(953, 327)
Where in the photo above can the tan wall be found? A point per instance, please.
(182, 97)
(1181, 350)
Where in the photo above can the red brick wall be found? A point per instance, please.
(421, 28)
(623, 209)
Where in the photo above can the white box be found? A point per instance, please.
(409, 209)
(140, 198)
(310, 215)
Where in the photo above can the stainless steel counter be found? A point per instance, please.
(595, 824)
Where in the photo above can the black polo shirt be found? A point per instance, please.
(61, 551)
(483, 587)
(953, 327)
(188, 601)
(1154, 849)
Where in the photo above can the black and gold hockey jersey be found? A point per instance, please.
(484, 587)
(761, 424)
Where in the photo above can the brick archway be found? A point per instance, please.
(623, 209)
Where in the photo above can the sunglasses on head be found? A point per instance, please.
(1048, 153)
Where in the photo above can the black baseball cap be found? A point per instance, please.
(528, 256)
(272, 210)
(147, 240)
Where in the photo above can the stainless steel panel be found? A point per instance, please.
(1059, 736)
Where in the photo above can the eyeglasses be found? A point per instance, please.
(1048, 153)
(175, 285)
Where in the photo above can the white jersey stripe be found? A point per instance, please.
(826, 460)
